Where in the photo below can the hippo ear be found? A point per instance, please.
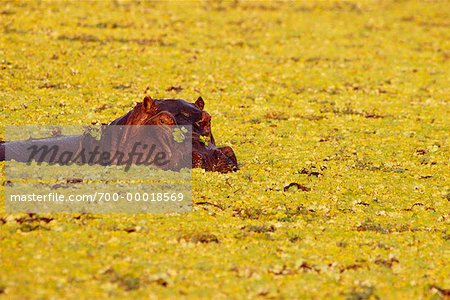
(200, 103)
(148, 103)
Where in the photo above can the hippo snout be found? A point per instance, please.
(214, 160)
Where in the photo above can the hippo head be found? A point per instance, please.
(185, 113)
(205, 154)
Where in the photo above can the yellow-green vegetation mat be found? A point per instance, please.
(339, 116)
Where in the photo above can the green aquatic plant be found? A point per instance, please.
(179, 134)
(337, 111)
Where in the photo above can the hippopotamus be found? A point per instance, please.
(160, 112)
(205, 153)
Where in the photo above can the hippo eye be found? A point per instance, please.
(185, 114)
